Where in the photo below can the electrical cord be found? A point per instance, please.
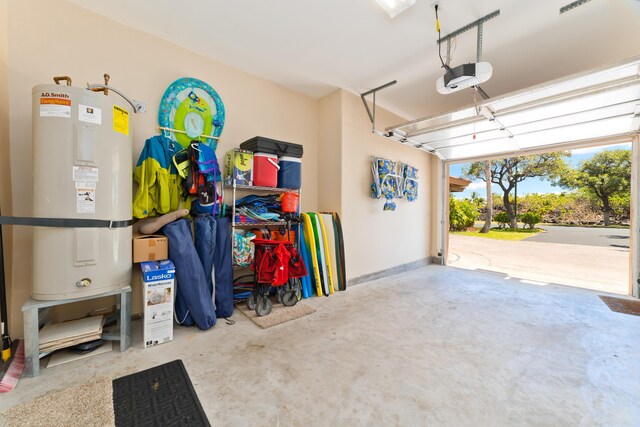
(445, 66)
(454, 45)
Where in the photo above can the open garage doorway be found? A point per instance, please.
(596, 107)
(556, 218)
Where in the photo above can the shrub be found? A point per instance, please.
(531, 219)
(621, 205)
(502, 219)
(462, 214)
(576, 207)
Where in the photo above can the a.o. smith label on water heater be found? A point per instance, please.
(85, 174)
(89, 114)
(54, 104)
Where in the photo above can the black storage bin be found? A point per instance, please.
(260, 144)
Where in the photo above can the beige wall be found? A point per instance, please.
(329, 153)
(438, 245)
(376, 240)
(5, 173)
(62, 38)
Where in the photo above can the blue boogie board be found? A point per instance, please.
(306, 280)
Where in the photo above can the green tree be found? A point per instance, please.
(606, 176)
(476, 199)
(508, 172)
(621, 205)
(496, 202)
(462, 214)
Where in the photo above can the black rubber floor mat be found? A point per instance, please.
(622, 305)
(160, 396)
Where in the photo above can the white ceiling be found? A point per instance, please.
(314, 46)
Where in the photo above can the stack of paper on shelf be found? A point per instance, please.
(61, 335)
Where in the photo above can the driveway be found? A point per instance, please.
(602, 268)
(586, 236)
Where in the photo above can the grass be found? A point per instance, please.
(500, 233)
(479, 225)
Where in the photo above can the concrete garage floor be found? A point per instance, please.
(432, 346)
(599, 268)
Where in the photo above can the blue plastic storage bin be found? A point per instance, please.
(290, 173)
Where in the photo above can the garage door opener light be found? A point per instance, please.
(465, 75)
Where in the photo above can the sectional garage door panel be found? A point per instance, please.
(589, 106)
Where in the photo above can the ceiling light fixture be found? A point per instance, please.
(395, 7)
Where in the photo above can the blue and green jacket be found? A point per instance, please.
(159, 191)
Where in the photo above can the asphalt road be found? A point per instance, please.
(586, 236)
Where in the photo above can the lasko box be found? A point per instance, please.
(158, 279)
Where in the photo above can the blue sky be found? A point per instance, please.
(531, 185)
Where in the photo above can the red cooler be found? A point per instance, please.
(265, 169)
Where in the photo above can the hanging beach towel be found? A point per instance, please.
(410, 182)
(192, 106)
(386, 182)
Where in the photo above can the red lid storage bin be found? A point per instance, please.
(265, 169)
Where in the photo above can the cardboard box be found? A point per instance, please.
(150, 247)
(238, 167)
(158, 278)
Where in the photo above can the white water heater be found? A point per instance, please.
(82, 170)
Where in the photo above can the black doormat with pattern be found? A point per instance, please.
(622, 305)
(160, 396)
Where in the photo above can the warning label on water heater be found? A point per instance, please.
(55, 105)
(86, 200)
(120, 120)
(85, 174)
(86, 179)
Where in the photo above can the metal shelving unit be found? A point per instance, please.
(258, 188)
(253, 188)
(258, 224)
